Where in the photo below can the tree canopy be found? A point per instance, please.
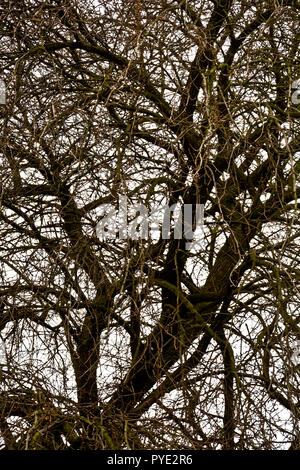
(149, 342)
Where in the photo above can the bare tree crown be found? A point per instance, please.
(148, 342)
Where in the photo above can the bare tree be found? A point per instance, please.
(149, 342)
